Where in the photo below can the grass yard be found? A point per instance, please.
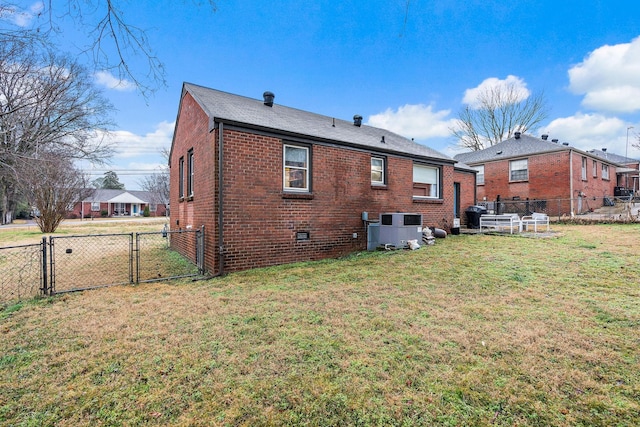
(478, 330)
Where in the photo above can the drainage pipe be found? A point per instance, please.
(220, 198)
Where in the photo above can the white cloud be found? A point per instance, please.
(593, 131)
(21, 18)
(128, 144)
(609, 77)
(511, 83)
(414, 121)
(109, 81)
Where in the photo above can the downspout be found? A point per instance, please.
(570, 183)
(220, 198)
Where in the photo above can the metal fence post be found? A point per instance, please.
(44, 281)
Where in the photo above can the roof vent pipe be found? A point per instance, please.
(268, 98)
(604, 150)
(566, 144)
(357, 120)
(545, 136)
(517, 135)
(554, 140)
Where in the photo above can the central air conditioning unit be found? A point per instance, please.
(397, 228)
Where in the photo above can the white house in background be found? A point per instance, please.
(118, 203)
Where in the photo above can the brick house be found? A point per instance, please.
(524, 167)
(274, 185)
(107, 202)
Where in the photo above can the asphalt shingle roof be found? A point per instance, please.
(279, 119)
(509, 148)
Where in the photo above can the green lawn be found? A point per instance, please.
(474, 331)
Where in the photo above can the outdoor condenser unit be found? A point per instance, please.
(397, 228)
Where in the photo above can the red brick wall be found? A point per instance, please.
(467, 192)
(550, 178)
(192, 132)
(261, 221)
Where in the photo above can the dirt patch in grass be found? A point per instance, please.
(476, 330)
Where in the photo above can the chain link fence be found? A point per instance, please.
(21, 272)
(80, 262)
(579, 208)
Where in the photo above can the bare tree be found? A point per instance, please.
(47, 104)
(52, 185)
(499, 112)
(113, 42)
(157, 184)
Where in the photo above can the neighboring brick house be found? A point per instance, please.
(107, 202)
(294, 184)
(528, 168)
(627, 175)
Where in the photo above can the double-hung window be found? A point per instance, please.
(181, 178)
(296, 168)
(584, 169)
(426, 181)
(605, 171)
(479, 175)
(519, 170)
(95, 206)
(595, 169)
(377, 171)
(190, 173)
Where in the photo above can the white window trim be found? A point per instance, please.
(306, 169)
(437, 183)
(190, 172)
(511, 170)
(95, 206)
(382, 172)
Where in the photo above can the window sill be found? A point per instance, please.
(189, 199)
(427, 200)
(181, 199)
(297, 196)
(379, 187)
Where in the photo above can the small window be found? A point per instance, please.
(296, 168)
(95, 206)
(595, 169)
(584, 169)
(479, 175)
(377, 171)
(190, 173)
(181, 178)
(153, 207)
(426, 182)
(518, 170)
(605, 171)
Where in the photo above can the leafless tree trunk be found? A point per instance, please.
(499, 112)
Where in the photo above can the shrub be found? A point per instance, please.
(146, 213)
(104, 213)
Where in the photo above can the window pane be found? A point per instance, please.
(296, 172)
(295, 157)
(377, 170)
(425, 174)
(518, 170)
(295, 178)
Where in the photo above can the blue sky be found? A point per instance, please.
(408, 66)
